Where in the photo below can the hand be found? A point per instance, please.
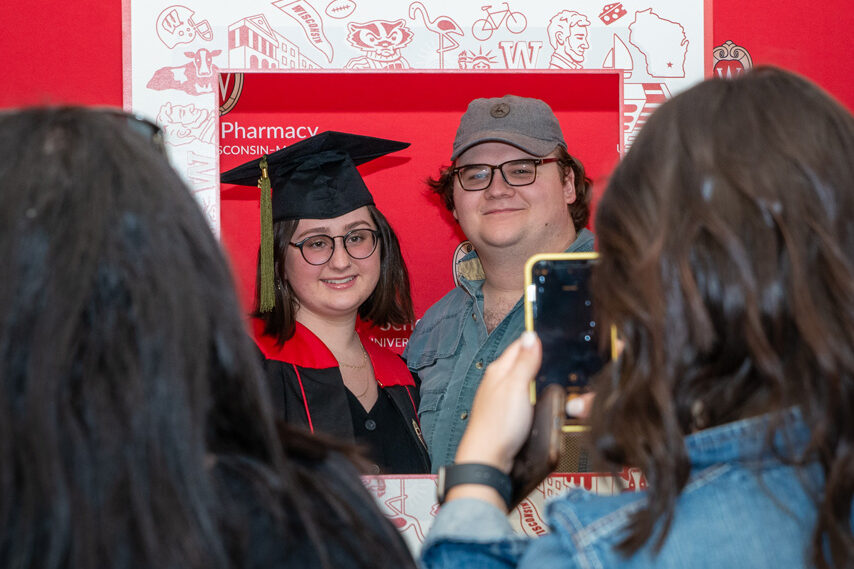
(501, 414)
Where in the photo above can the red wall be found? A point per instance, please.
(811, 38)
(56, 51)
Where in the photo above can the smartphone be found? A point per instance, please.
(559, 308)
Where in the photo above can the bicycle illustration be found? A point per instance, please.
(515, 22)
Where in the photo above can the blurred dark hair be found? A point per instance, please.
(389, 304)
(727, 264)
(443, 186)
(129, 389)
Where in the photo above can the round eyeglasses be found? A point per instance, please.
(475, 177)
(318, 249)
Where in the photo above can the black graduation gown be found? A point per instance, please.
(308, 390)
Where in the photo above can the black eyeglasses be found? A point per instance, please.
(318, 249)
(475, 177)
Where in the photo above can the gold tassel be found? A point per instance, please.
(267, 300)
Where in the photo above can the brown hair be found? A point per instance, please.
(389, 304)
(443, 186)
(727, 264)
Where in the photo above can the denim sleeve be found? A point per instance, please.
(470, 533)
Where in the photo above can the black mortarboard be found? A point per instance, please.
(315, 178)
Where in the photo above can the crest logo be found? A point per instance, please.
(230, 87)
(731, 60)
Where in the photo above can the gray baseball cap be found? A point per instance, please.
(522, 122)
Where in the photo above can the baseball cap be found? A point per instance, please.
(522, 122)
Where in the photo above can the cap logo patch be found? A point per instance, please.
(499, 110)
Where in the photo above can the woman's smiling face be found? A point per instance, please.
(339, 286)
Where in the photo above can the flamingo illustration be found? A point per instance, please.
(442, 25)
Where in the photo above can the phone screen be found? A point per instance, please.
(561, 310)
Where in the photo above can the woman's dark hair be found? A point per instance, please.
(134, 426)
(389, 304)
(443, 186)
(727, 265)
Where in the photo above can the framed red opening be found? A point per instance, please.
(272, 109)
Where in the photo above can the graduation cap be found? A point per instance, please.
(315, 178)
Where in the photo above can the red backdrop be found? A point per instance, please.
(589, 108)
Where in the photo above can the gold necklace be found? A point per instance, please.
(361, 365)
(367, 386)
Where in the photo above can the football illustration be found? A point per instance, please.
(340, 8)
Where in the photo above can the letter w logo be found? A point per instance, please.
(520, 54)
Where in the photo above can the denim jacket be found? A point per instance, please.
(450, 349)
(741, 508)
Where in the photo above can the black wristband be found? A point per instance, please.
(473, 473)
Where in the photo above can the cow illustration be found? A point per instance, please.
(195, 77)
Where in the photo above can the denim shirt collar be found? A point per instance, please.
(745, 440)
